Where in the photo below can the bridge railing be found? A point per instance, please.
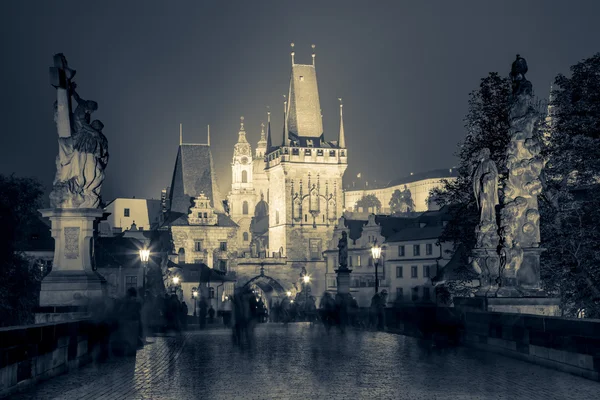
(568, 344)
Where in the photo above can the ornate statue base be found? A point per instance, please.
(72, 285)
(519, 291)
(343, 280)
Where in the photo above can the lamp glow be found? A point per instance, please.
(289, 293)
(144, 255)
(306, 278)
(176, 280)
(195, 293)
(375, 252)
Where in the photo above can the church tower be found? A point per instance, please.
(305, 173)
(242, 197)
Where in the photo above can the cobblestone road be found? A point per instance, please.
(302, 362)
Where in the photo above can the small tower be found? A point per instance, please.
(261, 147)
(242, 197)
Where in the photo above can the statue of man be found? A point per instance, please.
(485, 186)
(343, 250)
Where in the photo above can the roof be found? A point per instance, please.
(260, 226)
(304, 108)
(389, 225)
(203, 273)
(194, 174)
(117, 251)
(434, 174)
(416, 233)
(178, 219)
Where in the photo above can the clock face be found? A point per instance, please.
(244, 160)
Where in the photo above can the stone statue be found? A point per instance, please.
(408, 205)
(83, 148)
(485, 186)
(343, 250)
(519, 216)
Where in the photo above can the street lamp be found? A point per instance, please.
(145, 256)
(306, 279)
(376, 253)
(194, 296)
(289, 294)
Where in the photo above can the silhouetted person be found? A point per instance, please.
(211, 314)
(202, 306)
(184, 315)
(227, 310)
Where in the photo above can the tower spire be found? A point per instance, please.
(285, 125)
(342, 137)
(293, 52)
(242, 133)
(313, 54)
(269, 145)
(180, 134)
(208, 141)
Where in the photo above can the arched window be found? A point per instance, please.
(181, 256)
(244, 176)
(245, 236)
(245, 208)
(277, 217)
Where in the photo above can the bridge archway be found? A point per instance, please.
(272, 291)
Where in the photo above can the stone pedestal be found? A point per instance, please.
(487, 261)
(72, 285)
(343, 280)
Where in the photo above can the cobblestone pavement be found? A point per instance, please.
(300, 361)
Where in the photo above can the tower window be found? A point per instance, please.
(244, 176)
(305, 217)
(245, 236)
(301, 79)
(245, 208)
(223, 246)
(277, 217)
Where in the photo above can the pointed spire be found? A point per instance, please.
(342, 137)
(284, 141)
(242, 132)
(208, 141)
(180, 134)
(293, 52)
(269, 145)
(313, 54)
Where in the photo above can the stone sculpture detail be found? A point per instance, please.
(485, 186)
(519, 218)
(83, 148)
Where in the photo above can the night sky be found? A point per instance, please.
(403, 68)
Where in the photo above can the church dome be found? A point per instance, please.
(261, 210)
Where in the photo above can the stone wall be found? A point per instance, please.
(566, 344)
(29, 354)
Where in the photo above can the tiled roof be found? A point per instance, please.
(194, 173)
(389, 225)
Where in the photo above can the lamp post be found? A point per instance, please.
(376, 253)
(144, 256)
(194, 296)
(306, 280)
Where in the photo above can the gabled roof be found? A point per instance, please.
(194, 174)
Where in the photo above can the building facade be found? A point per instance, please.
(125, 212)
(411, 256)
(419, 185)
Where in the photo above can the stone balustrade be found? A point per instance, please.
(29, 354)
(566, 344)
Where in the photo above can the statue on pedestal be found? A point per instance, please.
(83, 148)
(519, 217)
(343, 250)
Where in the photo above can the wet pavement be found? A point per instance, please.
(300, 361)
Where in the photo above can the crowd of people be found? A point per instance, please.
(123, 324)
